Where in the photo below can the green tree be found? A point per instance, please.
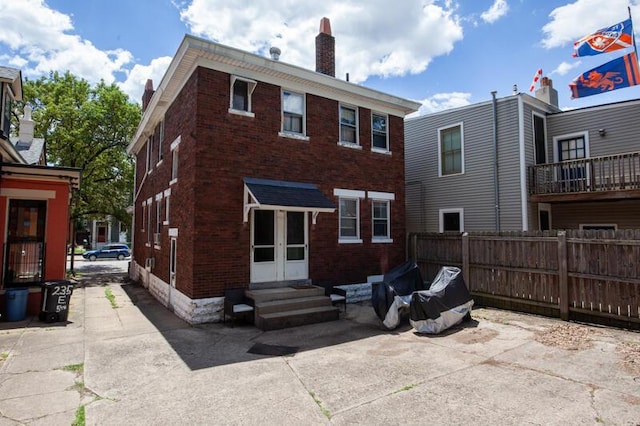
(88, 128)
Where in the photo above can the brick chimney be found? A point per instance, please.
(546, 92)
(325, 49)
(148, 93)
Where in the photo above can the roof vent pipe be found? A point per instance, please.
(275, 53)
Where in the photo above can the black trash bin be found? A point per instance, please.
(55, 300)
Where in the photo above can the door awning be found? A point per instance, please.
(284, 195)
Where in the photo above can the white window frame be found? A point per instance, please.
(557, 139)
(160, 139)
(289, 133)
(173, 261)
(386, 150)
(158, 228)
(251, 85)
(440, 130)
(349, 194)
(167, 194)
(149, 227)
(144, 215)
(175, 156)
(348, 144)
(381, 197)
(442, 212)
(535, 114)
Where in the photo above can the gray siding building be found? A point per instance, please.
(520, 163)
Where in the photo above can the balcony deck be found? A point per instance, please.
(611, 177)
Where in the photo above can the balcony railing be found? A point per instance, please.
(24, 263)
(619, 172)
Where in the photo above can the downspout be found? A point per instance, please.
(496, 182)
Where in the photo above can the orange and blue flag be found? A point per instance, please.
(616, 74)
(605, 40)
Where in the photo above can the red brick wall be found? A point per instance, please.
(218, 149)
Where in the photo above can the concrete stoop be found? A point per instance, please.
(277, 308)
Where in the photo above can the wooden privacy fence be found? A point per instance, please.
(582, 275)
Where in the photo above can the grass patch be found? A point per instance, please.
(4, 355)
(79, 420)
(324, 411)
(112, 299)
(76, 368)
(406, 388)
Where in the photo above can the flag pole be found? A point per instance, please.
(633, 33)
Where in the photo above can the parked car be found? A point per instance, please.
(114, 251)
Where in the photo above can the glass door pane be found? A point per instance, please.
(295, 236)
(264, 236)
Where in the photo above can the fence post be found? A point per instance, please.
(465, 257)
(563, 281)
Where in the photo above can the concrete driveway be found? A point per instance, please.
(133, 362)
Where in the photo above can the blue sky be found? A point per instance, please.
(441, 53)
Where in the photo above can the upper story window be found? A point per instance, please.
(451, 150)
(379, 133)
(293, 113)
(160, 139)
(150, 154)
(5, 106)
(175, 145)
(348, 125)
(240, 97)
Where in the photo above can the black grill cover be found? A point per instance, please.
(402, 280)
(447, 291)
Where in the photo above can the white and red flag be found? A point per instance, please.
(536, 77)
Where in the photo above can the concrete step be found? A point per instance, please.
(278, 320)
(282, 305)
(269, 294)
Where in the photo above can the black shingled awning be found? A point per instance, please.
(284, 195)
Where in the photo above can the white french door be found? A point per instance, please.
(279, 246)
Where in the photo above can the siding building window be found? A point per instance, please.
(451, 150)
(379, 133)
(451, 220)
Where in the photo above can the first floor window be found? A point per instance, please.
(451, 220)
(144, 215)
(381, 228)
(348, 125)
(149, 228)
(292, 112)
(451, 150)
(349, 218)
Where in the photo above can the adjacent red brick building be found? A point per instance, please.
(251, 173)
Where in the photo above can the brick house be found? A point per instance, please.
(34, 201)
(253, 173)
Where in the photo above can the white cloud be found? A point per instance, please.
(137, 77)
(570, 22)
(565, 67)
(371, 37)
(442, 101)
(498, 9)
(41, 40)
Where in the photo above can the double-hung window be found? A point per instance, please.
(160, 140)
(293, 114)
(348, 125)
(149, 227)
(381, 216)
(451, 150)
(175, 145)
(240, 96)
(349, 215)
(156, 235)
(167, 194)
(379, 133)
